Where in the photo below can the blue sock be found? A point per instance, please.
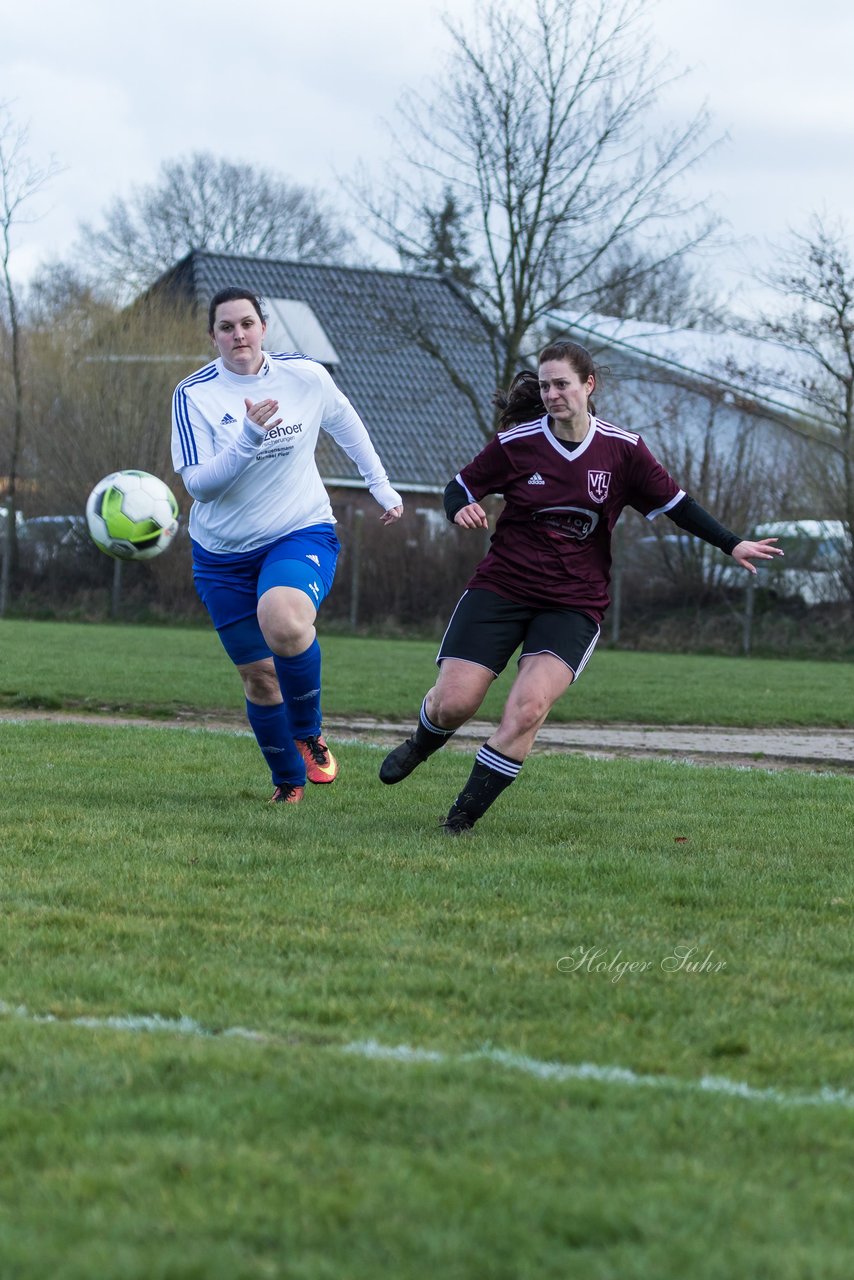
(272, 729)
(299, 678)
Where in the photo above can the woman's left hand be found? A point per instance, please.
(744, 552)
(393, 513)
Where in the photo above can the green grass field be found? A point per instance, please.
(609, 1035)
(157, 671)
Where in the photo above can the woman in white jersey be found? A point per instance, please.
(244, 433)
(565, 477)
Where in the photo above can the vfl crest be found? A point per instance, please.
(598, 484)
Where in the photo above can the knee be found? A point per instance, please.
(526, 711)
(449, 708)
(286, 635)
(260, 683)
(287, 629)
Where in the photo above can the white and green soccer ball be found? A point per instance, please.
(132, 515)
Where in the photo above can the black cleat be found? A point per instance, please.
(399, 763)
(457, 823)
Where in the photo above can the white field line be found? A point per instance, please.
(556, 1072)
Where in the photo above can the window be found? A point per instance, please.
(293, 326)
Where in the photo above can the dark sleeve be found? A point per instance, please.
(694, 519)
(488, 472)
(455, 498)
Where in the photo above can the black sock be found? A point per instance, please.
(428, 737)
(492, 772)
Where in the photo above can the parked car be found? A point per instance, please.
(816, 563)
(46, 540)
(675, 559)
(815, 566)
(4, 515)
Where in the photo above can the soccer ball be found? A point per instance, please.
(132, 515)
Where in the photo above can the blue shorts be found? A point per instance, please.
(230, 586)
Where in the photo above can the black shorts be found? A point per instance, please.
(487, 629)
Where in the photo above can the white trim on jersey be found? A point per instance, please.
(537, 424)
(661, 511)
(181, 413)
(522, 428)
(620, 433)
(461, 482)
(540, 426)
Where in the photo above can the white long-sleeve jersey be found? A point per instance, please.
(250, 485)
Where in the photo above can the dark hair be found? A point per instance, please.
(521, 402)
(234, 294)
(575, 355)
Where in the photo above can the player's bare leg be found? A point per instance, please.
(459, 690)
(455, 697)
(541, 680)
(286, 617)
(260, 682)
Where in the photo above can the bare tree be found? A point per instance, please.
(631, 284)
(203, 202)
(444, 246)
(108, 373)
(20, 180)
(728, 459)
(539, 130)
(57, 291)
(814, 278)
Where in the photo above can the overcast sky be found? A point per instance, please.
(111, 90)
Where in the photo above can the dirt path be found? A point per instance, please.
(818, 749)
(759, 748)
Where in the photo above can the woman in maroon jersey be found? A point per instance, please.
(565, 477)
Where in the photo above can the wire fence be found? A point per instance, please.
(406, 579)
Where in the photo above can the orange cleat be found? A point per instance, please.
(320, 763)
(287, 793)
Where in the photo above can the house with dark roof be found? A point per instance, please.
(398, 344)
(413, 355)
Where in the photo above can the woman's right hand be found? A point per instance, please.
(260, 413)
(472, 517)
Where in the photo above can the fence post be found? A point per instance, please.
(5, 563)
(355, 564)
(116, 589)
(618, 547)
(749, 600)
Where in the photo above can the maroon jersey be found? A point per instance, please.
(552, 542)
